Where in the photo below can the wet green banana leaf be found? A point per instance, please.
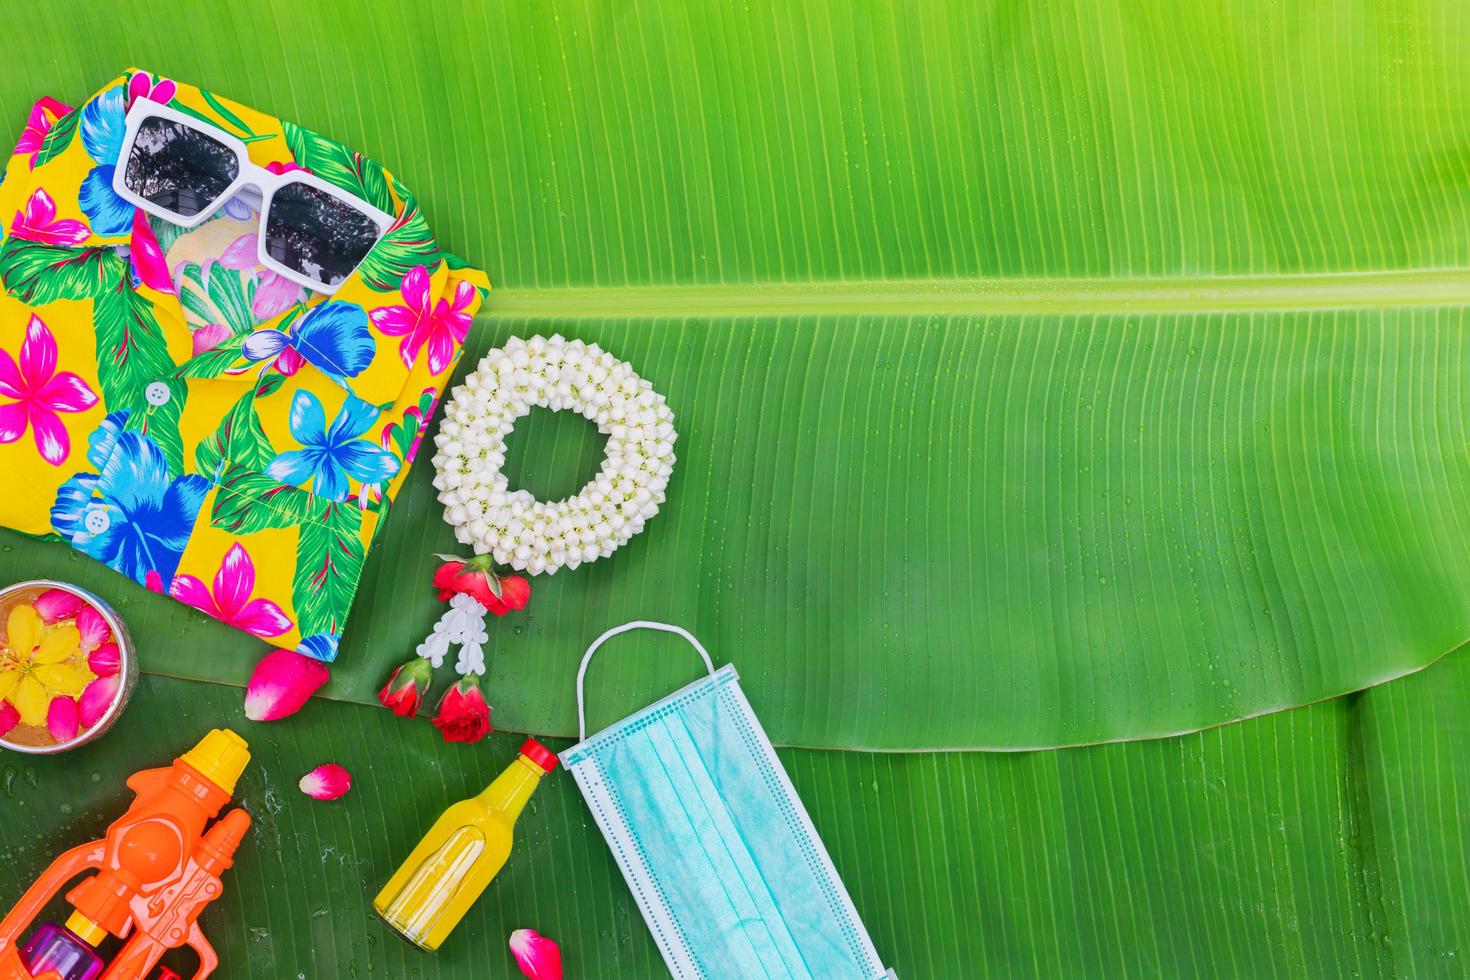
(1326, 841)
(1044, 374)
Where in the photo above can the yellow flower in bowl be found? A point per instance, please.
(34, 663)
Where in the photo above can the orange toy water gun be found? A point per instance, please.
(156, 870)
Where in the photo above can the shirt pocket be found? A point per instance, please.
(283, 465)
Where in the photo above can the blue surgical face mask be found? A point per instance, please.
(717, 849)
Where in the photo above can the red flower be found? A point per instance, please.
(463, 715)
(497, 593)
(407, 687)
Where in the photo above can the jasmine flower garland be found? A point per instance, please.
(514, 527)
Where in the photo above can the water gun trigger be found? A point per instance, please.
(208, 958)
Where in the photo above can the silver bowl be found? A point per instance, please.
(127, 662)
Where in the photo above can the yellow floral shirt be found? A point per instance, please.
(189, 418)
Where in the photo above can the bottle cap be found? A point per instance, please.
(220, 757)
(539, 754)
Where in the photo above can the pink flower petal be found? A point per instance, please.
(415, 290)
(463, 294)
(209, 336)
(38, 124)
(274, 296)
(67, 392)
(326, 782)
(164, 91)
(94, 629)
(190, 591)
(281, 684)
(54, 605)
(97, 697)
(40, 209)
(241, 254)
(68, 232)
(37, 353)
(52, 439)
(263, 618)
(105, 660)
(153, 582)
(538, 957)
(288, 361)
(13, 421)
(441, 349)
(138, 86)
(63, 718)
(234, 582)
(147, 255)
(12, 385)
(395, 321)
(39, 224)
(9, 718)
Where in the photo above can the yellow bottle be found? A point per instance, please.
(466, 847)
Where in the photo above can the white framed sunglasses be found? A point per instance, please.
(182, 169)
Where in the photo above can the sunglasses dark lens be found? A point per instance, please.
(179, 168)
(318, 235)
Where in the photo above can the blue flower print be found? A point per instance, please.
(322, 646)
(103, 126)
(334, 337)
(334, 453)
(131, 515)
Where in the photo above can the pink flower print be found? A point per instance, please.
(231, 602)
(43, 115)
(143, 86)
(288, 362)
(274, 293)
(442, 325)
(285, 168)
(37, 223)
(38, 392)
(147, 256)
(209, 336)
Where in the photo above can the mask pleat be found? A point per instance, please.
(774, 944)
(808, 897)
(736, 869)
(682, 845)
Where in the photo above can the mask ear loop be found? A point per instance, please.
(638, 624)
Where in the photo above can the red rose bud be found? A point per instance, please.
(463, 715)
(515, 592)
(499, 594)
(405, 690)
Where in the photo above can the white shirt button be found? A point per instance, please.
(97, 520)
(157, 394)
